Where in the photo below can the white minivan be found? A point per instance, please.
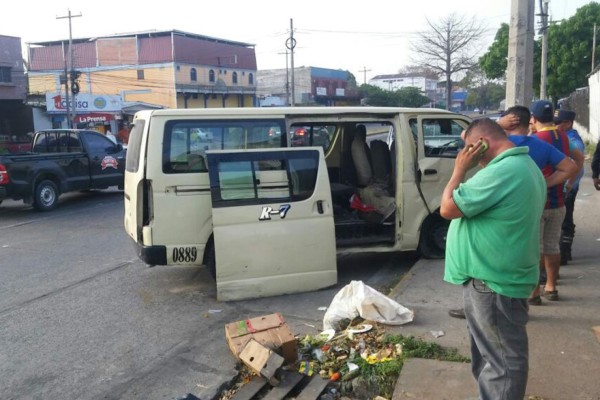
(266, 197)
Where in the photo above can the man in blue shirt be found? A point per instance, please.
(563, 120)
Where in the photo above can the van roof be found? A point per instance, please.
(298, 111)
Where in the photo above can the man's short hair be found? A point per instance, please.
(487, 126)
(522, 113)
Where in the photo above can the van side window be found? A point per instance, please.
(187, 141)
(312, 135)
(441, 137)
(263, 178)
(134, 146)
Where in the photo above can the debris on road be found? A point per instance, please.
(359, 300)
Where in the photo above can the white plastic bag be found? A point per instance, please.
(357, 299)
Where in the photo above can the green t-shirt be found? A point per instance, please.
(497, 239)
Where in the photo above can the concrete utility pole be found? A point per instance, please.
(544, 32)
(70, 68)
(364, 71)
(287, 79)
(594, 49)
(291, 44)
(519, 75)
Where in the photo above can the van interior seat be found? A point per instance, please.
(361, 158)
(382, 163)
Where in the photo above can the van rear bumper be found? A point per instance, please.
(151, 255)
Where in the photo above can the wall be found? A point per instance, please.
(11, 57)
(594, 87)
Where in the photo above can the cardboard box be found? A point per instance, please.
(261, 360)
(271, 331)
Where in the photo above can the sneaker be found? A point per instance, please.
(551, 295)
(457, 313)
(535, 301)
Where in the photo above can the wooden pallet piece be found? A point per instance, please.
(249, 390)
(289, 380)
(313, 390)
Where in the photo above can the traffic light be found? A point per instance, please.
(74, 75)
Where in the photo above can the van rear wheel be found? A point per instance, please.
(210, 259)
(45, 196)
(433, 237)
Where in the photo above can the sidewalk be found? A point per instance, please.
(563, 349)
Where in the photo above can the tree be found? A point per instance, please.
(570, 51)
(494, 62)
(448, 47)
(405, 97)
(418, 70)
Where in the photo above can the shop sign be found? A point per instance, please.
(94, 118)
(57, 103)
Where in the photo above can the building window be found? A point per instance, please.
(193, 75)
(211, 75)
(251, 79)
(140, 74)
(234, 78)
(5, 74)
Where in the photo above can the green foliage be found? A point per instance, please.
(569, 53)
(351, 80)
(405, 97)
(486, 96)
(570, 50)
(494, 63)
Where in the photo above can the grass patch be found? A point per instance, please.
(381, 377)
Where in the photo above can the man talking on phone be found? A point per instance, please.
(492, 250)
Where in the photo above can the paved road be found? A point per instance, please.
(82, 318)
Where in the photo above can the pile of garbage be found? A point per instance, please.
(337, 362)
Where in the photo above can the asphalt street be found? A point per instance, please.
(82, 318)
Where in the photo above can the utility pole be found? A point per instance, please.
(594, 49)
(364, 71)
(290, 43)
(544, 32)
(519, 75)
(287, 79)
(70, 67)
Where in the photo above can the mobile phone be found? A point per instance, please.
(484, 145)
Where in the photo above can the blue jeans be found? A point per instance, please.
(499, 346)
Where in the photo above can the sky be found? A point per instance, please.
(367, 38)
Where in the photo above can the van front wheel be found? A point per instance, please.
(433, 237)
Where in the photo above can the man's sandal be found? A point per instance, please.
(535, 301)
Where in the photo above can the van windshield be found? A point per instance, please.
(187, 141)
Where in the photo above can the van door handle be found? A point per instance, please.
(430, 171)
(320, 206)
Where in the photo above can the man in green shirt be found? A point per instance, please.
(492, 250)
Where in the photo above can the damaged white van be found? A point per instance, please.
(266, 197)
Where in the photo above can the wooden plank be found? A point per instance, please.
(249, 390)
(313, 390)
(289, 380)
(255, 356)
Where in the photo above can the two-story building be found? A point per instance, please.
(119, 74)
(15, 117)
(312, 86)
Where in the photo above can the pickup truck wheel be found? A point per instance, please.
(46, 196)
(433, 237)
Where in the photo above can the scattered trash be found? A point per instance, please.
(359, 328)
(327, 335)
(214, 311)
(437, 334)
(357, 299)
(322, 309)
